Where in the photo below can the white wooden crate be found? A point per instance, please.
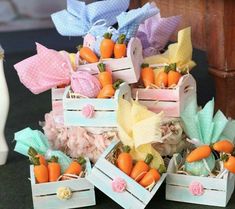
(126, 68)
(171, 101)
(44, 194)
(105, 109)
(217, 192)
(134, 196)
(57, 104)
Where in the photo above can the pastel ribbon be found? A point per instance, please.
(33, 138)
(79, 19)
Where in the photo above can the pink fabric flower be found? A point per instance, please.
(88, 111)
(196, 188)
(118, 184)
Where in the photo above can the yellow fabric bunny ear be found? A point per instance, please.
(180, 52)
(139, 128)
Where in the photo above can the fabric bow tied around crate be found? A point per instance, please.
(155, 33)
(179, 52)
(27, 138)
(205, 127)
(139, 128)
(50, 68)
(45, 70)
(80, 18)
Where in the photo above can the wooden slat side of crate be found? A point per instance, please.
(135, 196)
(83, 193)
(57, 104)
(105, 109)
(217, 192)
(171, 101)
(127, 68)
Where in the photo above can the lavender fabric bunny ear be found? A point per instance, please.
(155, 33)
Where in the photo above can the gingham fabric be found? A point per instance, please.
(79, 18)
(45, 70)
(155, 33)
(128, 22)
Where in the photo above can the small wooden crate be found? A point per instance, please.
(135, 196)
(105, 109)
(217, 192)
(44, 194)
(57, 104)
(171, 101)
(126, 68)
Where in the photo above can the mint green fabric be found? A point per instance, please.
(33, 138)
(203, 124)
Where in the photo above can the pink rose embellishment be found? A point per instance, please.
(88, 111)
(196, 188)
(118, 184)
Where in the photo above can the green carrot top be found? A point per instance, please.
(101, 66)
(148, 158)
(81, 160)
(117, 83)
(121, 39)
(144, 65)
(107, 35)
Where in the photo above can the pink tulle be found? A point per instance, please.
(75, 141)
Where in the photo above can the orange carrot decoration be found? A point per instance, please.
(54, 169)
(161, 79)
(147, 75)
(229, 163)
(223, 146)
(40, 171)
(108, 91)
(107, 46)
(141, 168)
(120, 47)
(75, 167)
(87, 54)
(124, 161)
(34, 154)
(173, 76)
(150, 177)
(199, 153)
(104, 76)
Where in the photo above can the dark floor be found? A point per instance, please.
(27, 109)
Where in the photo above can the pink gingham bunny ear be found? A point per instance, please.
(44, 71)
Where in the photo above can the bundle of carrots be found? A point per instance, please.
(140, 171)
(169, 77)
(106, 81)
(50, 171)
(224, 147)
(108, 47)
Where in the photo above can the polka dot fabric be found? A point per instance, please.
(43, 71)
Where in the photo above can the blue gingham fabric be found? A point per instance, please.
(79, 19)
(128, 22)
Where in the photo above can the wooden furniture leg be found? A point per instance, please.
(220, 40)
